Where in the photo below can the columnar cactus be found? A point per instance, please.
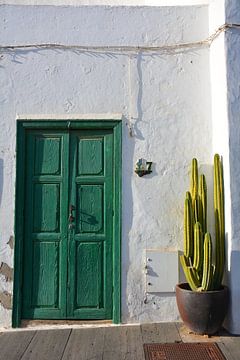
(197, 261)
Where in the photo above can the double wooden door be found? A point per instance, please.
(68, 225)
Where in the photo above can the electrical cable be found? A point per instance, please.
(125, 49)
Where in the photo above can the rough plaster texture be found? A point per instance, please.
(106, 2)
(105, 25)
(164, 97)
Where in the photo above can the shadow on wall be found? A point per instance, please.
(232, 42)
(233, 279)
(137, 132)
(131, 133)
(127, 213)
(1, 179)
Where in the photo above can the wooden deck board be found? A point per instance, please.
(230, 346)
(160, 333)
(115, 343)
(123, 343)
(101, 343)
(85, 344)
(134, 344)
(47, 344)
(226, 352)
(189, 336)
(14, 344)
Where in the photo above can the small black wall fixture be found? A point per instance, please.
(143, 167)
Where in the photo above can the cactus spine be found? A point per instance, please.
(197, 261)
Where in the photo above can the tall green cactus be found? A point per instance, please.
(197, 261)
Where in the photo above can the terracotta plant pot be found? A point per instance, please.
(202, 312)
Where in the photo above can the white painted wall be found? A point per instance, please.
(164, 95)
(107, 2)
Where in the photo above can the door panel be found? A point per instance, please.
(90, 208)
(46, 202)
(89, 272)
(45, 229)
(92, 150)
(45, 281)
(68, 259)
(90, 240)
(47, 155)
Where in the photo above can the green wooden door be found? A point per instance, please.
(68, 225)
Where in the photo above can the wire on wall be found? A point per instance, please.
(126, 49)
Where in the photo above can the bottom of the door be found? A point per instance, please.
(35, 323)
(56, 314)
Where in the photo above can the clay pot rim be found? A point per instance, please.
(186, 288)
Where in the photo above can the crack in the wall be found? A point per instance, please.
(6, 300)
(6, 271)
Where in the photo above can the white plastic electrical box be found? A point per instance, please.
(162, 271)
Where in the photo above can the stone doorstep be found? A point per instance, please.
(185, 334)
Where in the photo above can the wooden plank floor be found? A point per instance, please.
(102, 343)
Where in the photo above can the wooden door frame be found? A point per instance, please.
(22, 126)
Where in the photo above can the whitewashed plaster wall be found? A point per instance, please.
(164, 96)
(107, 2)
